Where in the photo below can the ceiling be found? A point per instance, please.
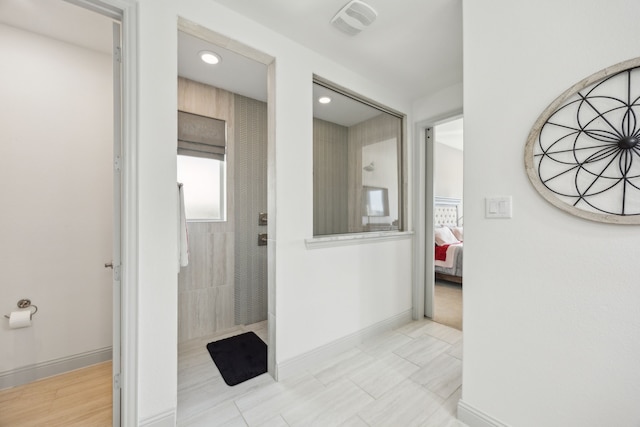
(235, 73)
(342, 110)
(414, 46)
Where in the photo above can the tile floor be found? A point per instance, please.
(410, 376)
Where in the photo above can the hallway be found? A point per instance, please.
(408, 376)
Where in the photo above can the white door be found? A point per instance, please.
(116, 261)
(429, 280)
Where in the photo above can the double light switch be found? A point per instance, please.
(498, 207)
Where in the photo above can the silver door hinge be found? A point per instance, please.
(116, 381)
(116, 272)
(116, 163)
(117, 54)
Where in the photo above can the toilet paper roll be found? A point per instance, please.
(20, 319)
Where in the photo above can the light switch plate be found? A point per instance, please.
(498, 207)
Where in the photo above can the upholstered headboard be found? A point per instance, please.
(446, 212)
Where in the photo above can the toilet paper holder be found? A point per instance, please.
(26, 303)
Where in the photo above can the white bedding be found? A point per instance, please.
(451, 256)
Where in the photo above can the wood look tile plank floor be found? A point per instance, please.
(79, 398)
(410, 376)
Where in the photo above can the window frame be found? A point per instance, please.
(402, 164)
(223, 190)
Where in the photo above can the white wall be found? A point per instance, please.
(384, 156)
(158, 268)
(447, 171)
(55, 221)
(439, 105)
(552, 327)
(321, 295)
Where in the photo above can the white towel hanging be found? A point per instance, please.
(183, 235)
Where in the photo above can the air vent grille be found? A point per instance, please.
(354, 17)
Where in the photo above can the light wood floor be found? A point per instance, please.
(78, 398)
(448, 304)
(410, 376)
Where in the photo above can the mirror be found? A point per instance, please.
(356, 164)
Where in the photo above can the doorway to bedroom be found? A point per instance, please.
(448, 219)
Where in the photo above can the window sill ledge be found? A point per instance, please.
(356, 238)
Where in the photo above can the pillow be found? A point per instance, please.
(457, 231)
(444, 236)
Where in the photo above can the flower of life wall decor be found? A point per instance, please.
(583, 153)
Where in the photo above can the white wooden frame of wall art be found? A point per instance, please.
(549, 195)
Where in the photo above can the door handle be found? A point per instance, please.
(116, 270)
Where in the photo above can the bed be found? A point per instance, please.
(448, 232)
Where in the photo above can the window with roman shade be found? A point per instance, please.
(201, 165)
(201, 136)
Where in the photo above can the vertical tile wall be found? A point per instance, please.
(225, 283)
(206, 291)
(251, 199)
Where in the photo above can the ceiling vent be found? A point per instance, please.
(354, 17)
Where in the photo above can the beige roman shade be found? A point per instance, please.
(201, 136)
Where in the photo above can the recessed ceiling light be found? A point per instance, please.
(209, 57)
(324, 100)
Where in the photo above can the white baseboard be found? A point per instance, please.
(476, 418)
(165, 419)
(27, 374)
(305, 361)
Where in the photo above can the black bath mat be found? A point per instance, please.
(239, 358)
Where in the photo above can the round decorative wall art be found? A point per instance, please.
(583, 153)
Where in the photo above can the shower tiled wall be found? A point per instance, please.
(206, 286)
(251, 200)
(225, 282)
